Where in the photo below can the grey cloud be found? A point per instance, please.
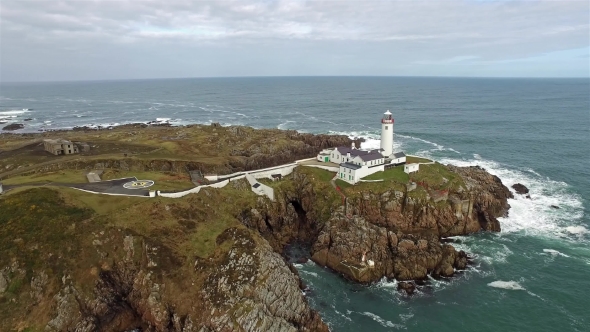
(222, 35)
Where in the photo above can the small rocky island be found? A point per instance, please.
(215, 260)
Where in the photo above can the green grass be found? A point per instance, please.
(343, 184)
(318, 173)
(413, 160)
(39, 231)
(438, 176)
(65, 176)
(396, 174)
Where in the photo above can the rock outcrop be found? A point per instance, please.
(14, 126)
(397, 231)
(365, 252)
(248, 288)
(520, 188)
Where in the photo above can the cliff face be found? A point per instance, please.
(455, 212)
(399, 231)
(248, 288)
(65, 268)
(349, 244)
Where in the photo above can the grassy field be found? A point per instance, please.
(396, 174)
(414, 159)
(438, 176)
(39, 231)
(318, 173)
(65, 176)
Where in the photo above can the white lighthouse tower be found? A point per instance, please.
(387, 134)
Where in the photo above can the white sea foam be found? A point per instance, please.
(14, 112)
(383, 322)
(554, 252)
(163, 119)
(284, 124)
(511, 285)
(310, 273)
(535, 216)
(384, 283)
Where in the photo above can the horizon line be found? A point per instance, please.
(293, 76)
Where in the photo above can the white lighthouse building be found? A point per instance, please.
(354, 163)
(387, 134)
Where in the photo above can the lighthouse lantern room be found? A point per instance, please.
(387, 134)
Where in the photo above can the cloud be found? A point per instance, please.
(418, 34)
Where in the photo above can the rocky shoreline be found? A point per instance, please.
(137, 267)
(385, 234)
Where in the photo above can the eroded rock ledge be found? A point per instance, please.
(398, 232)
(247, 288)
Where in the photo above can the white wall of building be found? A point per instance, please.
(411, 168)
(355, 175)
(398, 160)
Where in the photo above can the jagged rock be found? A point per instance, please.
(3, 283)
(344, 241)
(38, 284)
(249, 288)
(407, 287)
(520, 188)
(14, 126)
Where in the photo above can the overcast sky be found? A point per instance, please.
(119, 39)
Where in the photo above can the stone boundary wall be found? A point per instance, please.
(262, 190)
(327, 168)
(266, 173)
(193, 190)
(285, 169)
(109, 194)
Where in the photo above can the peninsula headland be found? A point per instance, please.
(78, 256)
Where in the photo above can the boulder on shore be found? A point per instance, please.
(520, 188)
(14, 126)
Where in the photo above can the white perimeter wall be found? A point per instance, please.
(258, 174)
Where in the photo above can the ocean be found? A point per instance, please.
(532, 276)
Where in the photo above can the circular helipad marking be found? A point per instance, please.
(139, 184)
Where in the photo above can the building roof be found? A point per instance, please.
(357, 152)
(388, 112)
(57, 141)
(399, 155)
(350, 165)
(371, 156)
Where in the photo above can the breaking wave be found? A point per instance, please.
(511, 285)
(552, 211)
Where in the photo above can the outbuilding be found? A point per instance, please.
(411, 168)
(398, 158)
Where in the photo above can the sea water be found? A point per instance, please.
(532, 276)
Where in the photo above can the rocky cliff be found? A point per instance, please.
(67, 268)
(398, 230)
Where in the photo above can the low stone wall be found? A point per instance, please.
(262, 189)
(267, 173)
(327, 168)
(193, 190)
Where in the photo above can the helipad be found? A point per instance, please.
(139, 184)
